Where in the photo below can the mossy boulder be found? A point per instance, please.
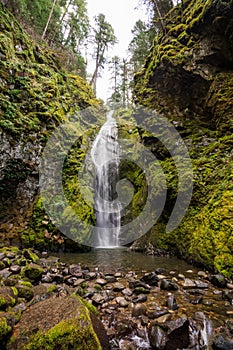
(8, 298)
(32, 272)
(5, 330)
(63, 323)
(29, 255)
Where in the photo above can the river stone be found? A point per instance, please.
(141, 290)
(75, 270)
(171, 302)
(122, 302)
(201, 285)
(57, 278)
(166, 284)
(138, 310)
(15, 269)
(101, 281)
(218, 281)
(141, 298)
(117, 287)
(79, 282)
(150, 278)
(97, 299)
(127, 292)
(222, 342)
(202, 274)
(91, 275)
(46, 278)
(188, 283)
(5, 273)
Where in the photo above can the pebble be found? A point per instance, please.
(122, 302)
(101, 281)
(117, 287)
(138, 310)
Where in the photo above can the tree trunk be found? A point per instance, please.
(49, 19)
(160, 16)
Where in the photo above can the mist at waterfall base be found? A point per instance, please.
(105, 155)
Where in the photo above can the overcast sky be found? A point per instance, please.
(122, 15)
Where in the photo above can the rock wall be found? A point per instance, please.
(36, 95)
(188, 77)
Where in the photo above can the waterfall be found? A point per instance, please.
(105, 155)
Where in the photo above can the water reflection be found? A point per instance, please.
(120, 259)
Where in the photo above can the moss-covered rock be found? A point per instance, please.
(36, 96)
(63, 323)
(188, 78)
(32, 272)
(189, 69)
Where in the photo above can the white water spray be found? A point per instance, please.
(105, 155)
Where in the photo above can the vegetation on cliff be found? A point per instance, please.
(188, 77)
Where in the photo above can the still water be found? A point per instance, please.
(120, 259)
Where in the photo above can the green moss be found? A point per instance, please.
(5, 329)
(75, 333)
(29, 255)
(52, 289)
(32, 272)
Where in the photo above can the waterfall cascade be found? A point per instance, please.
(105, 155)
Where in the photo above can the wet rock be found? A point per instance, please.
(150, 278)
(97, 299)
(141, 298)
(5, 273)
(171, 336)
(33, 272)
(152, 314)
(70, 280)
(188, 283)
(171, 302)
(136, 283)
(229, 285)
(75, 270)
(157, 337)
(201, 285)
(202, 274)
(180, 276)
(91, 275)
(218, 281)
(141, 290)
(122, 302)
(160, 271)
(101, 281)
(166, 284)
(15, 269)
(79, 282)
(138, 310)
(117, 287)
(46, 278)
(110, 279)
(207, 302)
(222, 342)
(228, 295)
(127, 292)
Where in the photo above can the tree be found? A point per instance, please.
(139, 46)
(49, 19)
(104, 37)
(159, 9)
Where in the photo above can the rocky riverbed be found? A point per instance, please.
(127, 310)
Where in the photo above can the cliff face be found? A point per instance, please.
(36, 95)
(188, 77)
(189, 69)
